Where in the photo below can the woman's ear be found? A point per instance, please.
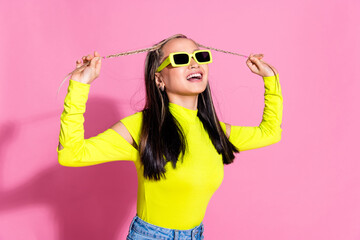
(158, 79)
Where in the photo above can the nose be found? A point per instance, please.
(193, 63)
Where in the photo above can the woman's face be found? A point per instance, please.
(175, 78)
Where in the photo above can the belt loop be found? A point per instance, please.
(198, 231)
(202, 231)
(176, 234)
(193, 233)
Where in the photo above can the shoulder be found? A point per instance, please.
(135, 118)
(130, 127)
(226, 127)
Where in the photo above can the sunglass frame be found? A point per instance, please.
(170, 59)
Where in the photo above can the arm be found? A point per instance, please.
(77, 151)
(269, 131)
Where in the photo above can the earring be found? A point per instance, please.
(162, 88)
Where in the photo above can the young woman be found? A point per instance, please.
(178, 145)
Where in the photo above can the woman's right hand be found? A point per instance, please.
(87, 70)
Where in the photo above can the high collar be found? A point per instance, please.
(182, 112)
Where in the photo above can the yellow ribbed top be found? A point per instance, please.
(180, 200)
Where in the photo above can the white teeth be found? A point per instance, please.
(194, 75)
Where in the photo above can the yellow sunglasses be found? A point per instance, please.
(179, 59)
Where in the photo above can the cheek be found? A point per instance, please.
(206, 69)
(206, 72)
(174, 76)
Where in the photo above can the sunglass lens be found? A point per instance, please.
(181, 58)
(203, 56)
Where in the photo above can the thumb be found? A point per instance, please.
(256, 61)
(98, 66)
(94, 61)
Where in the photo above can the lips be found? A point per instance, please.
(195, 76)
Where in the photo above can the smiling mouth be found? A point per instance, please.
(195, 77)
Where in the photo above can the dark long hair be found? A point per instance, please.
(162, 138)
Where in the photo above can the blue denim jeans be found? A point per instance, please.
(141, 230)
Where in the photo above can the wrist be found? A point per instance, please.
(76, 82)
(271, 76)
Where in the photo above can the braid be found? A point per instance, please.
(238, 54)
(153, 48)
(219, 50)
(134, 52)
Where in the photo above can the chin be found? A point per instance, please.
(197, 91)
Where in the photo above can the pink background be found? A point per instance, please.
(304, 187)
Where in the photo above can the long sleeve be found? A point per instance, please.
(77, 151)
(269, 131)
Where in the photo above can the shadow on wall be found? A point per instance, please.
(91, 202)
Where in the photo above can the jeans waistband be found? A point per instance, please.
(148, 229)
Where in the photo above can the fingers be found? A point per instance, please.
(254, 62)
(258, 56)
(254, 59)
(95, 60)
(260, 61)
(260, 67)
(78, 63)
(89, 57)
(86, 60)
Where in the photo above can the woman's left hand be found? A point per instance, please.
(259, 67)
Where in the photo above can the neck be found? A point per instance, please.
(189, 102)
